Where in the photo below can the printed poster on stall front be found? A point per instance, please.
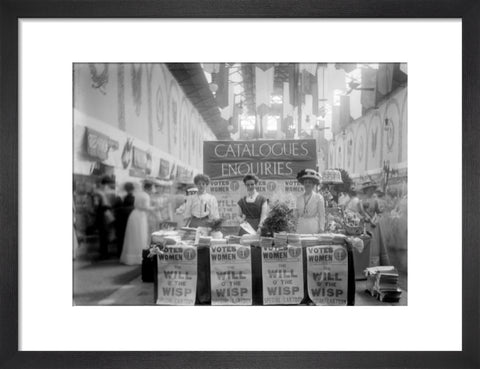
(231, 274)
(327, 274)
(177, 275)
(282, 275)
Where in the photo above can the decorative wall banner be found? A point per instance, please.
(184, 175)
(139, 158)
(99, 79)
(282, 275)
(127, 153)
(177, 275)
(137, 87)
(164, 169)
(327, 274)
(98, 144)
(231, 274)
(267, 159)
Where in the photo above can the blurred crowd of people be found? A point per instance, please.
(124, 216)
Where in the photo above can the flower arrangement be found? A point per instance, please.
(280, 219)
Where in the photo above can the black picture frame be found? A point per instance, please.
(11, 11)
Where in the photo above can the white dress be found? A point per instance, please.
(137, 237)
(311, 215)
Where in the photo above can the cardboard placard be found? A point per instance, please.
(231, 274)
(327, 274)
(177, 275)
(282, 275)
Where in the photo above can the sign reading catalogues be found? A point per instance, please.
(177, 275)
(327, 274)
(279, 159)
(231, 274)
(282, 275)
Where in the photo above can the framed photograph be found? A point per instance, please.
(67, 65)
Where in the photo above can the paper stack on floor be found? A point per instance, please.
(382, 283)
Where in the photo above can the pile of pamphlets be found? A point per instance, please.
(382, 283)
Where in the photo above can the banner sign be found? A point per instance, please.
(327, 274)
(271, 159)
(282, 275)
(177, 275)
(99, 144)
(231, 274)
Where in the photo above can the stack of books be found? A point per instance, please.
(204, 241)
(266, 241)
(249, 239)
(217, 241)
(280, 239)
(294, 239)
(308, 240)
(188, 234)
(382, 283)
(161, 237)
(233, 239)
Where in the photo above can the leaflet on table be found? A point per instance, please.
(248, 228)
(177, 275)
(282, 273)
(231, 274)
(327, 274)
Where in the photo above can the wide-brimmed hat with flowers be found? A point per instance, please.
(308, 174)
(367, 185)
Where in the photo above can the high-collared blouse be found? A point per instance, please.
(201, 206)
(314, 207)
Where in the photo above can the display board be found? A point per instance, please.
(327, 274)
(282, 275)
(177, 275)
(276, 163)
(231, 274)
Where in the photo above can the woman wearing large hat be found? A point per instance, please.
(369, 207)
(310, 205)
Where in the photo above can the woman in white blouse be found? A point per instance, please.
(310, 205)
(201, 208)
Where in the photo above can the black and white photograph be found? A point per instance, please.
(195, 185)
(240, 184)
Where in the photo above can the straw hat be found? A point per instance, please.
(367, 185)
(308, 174)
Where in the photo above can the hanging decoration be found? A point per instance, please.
(360, 149)
(99, 80)
(137, 87)
(160, 109)
(121, 96)
(374, 140)
(127, 153)
(390, 136)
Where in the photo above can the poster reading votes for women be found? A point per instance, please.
(231, 275)
(177, 275)
(327, 274)
(282, 274)
(275, 163)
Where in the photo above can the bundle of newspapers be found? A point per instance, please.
(382, 283)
